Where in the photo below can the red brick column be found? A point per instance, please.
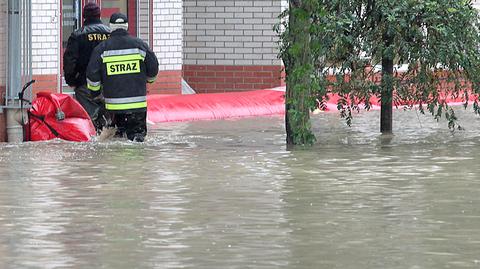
(228, 78)
(44, 83)
(168, 82)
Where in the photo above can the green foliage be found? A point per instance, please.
(437, 39)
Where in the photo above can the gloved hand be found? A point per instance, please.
(99, 99)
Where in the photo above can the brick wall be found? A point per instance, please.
(167, 45)
(225, 78)
(234, 35)
(45, 44)
(230, 32)
(284, 7)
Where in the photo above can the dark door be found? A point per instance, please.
(71, 20)
(127, 7)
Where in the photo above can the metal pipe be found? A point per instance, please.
(19, 64)
(14, 52)
(23, 41)
(28, 49)
(6, 58)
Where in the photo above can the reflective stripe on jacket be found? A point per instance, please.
(120, 68)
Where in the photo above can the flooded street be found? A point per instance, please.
(227, 194)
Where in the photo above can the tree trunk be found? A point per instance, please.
(386, 113)
(297, 116)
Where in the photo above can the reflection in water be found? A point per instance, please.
(226, 194)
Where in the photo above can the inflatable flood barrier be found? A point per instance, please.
(214, 106)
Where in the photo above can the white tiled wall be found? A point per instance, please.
(284, 4)
(227, 32)
(45, 37)
(167, 33)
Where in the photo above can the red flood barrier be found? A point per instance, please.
(213, 106)
(58, 116)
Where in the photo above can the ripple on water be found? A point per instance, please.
(227, 194)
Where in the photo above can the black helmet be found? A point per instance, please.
(118, 18)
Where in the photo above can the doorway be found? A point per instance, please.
(71, 14)
(127, 7)
(70, 19)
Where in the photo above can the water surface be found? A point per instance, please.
(227, 194)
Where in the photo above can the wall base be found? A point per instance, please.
(44, 83)
(228, 78)
(168, 82)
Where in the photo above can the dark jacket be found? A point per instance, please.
(120, 68)
(79, 48)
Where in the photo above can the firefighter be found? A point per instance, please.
(120, 68)
(75, 60)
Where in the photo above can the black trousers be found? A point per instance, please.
(131, 124)
(94, 107)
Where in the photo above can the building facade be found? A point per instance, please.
(230, 45)
(215, 46)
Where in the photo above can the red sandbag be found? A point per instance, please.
(210, 106)
(44, 125)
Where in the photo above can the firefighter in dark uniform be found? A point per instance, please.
(120, 68)
(75, 60)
